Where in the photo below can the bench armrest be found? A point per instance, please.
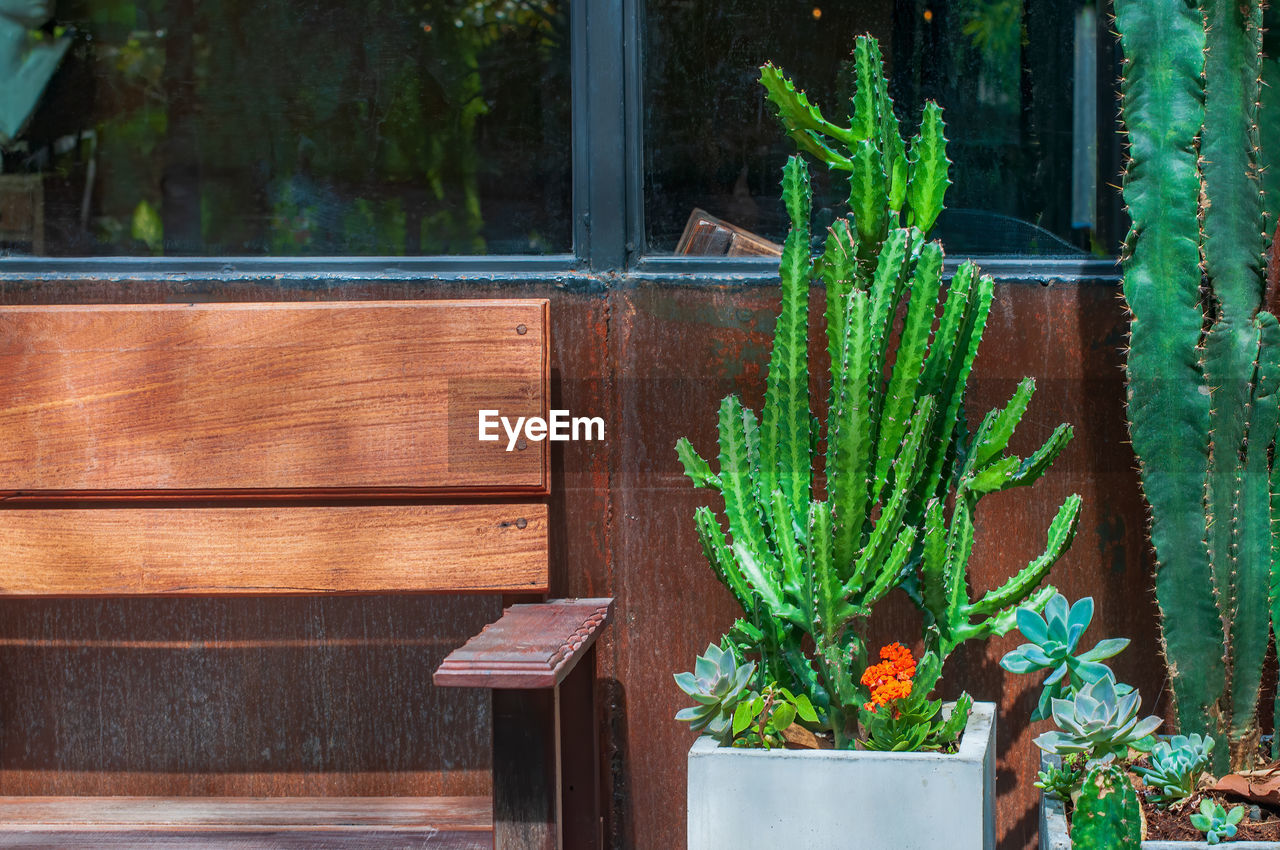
(531, 646)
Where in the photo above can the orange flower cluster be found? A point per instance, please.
(891, 678)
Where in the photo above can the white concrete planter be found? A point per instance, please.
(1053, 829)
(835, 800)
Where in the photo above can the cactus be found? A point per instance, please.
(718, 684)
(808, 562)
(1202, 368)
(1107, 814)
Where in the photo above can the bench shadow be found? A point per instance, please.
(255, 696)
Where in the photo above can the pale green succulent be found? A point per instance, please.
(1216, 822)
(1097, 723)
(717, 684)
(1060, 780)
(1054, 639)
(1175, 766)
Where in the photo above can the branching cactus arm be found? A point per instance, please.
(945, 589)
(785, 462)
(1250, 624)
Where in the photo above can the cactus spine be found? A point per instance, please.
(1107, 815)
(1202, 403)
(808, 557)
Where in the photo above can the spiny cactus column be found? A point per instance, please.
(804, 567)
(1202, 405)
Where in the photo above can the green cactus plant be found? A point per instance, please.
(817, 538)
(1107, 814)
(1204, 357)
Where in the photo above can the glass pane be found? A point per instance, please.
(284, 127)
(1018, 81)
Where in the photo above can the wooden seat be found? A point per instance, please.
(306, 823)
(316, 448)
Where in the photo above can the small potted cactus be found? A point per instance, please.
(825, 518)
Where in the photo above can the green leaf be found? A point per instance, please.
(742, 717)
(783, 715)
(1105, 649)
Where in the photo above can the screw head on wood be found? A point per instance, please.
(522, 330)
(521, 522)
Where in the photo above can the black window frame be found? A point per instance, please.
(607, 99)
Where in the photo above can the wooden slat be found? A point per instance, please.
(426, 838)
(374, 397)
(211, 813)
(352, 823)
(531, 646)
(421, 548)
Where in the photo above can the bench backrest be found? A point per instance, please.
(271, 448)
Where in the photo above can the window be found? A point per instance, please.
(288, 127)
(1018, 82)
(519, 135)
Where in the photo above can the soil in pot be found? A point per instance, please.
(1261, 823)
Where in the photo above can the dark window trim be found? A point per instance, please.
(607, 101)
(1041, 270)
(241, 268)
(324, 272)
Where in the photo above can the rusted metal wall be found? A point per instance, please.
(332, 695)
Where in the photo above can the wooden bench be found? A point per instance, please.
(307, 448)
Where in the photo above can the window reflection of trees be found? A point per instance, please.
(1003, 70)
(316, 127)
